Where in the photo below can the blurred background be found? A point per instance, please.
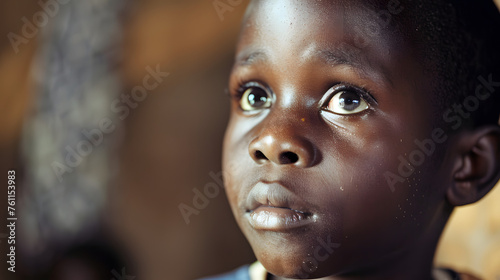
(113, 118)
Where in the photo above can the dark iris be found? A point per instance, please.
(257, 98)
(349, 101)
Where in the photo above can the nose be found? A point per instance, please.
(282, 147)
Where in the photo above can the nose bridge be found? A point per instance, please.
(291, 106)
(287, 119)
(282, 137)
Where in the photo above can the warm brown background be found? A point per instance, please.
(173, 140)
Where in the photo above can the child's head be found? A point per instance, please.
(356, 127)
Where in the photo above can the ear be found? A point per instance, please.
(477, 165)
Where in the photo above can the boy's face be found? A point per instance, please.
(326, 100)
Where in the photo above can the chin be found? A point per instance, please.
(296, 269)
(304, 259)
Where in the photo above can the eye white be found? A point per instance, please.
(255, 98)
(347, 102)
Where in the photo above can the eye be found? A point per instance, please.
(347, 102)
(255, 98)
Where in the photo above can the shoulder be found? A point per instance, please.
(241, 273)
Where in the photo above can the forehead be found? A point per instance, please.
(366, 25)
(318, 10)
(292, 32)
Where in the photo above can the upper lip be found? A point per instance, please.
(274, 194)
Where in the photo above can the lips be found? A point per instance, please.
(272, 207)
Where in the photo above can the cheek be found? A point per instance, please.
(379, 196)
(372, 180)
(234, 162)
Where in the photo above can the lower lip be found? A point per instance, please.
(278, 219)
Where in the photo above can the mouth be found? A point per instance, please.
(272, 207)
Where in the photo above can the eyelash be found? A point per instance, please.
(363, 91)
(242, 86)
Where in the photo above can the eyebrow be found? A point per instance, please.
(353, 57)
(246, 59)
(339, 55)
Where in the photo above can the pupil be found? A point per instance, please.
(257, 98)
(349, 101)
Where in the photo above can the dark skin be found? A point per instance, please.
(316, 121)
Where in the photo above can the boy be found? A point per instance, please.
(356, 128)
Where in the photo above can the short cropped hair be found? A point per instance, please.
(460, 42)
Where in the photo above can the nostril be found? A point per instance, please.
(260, 156)
(288, 158)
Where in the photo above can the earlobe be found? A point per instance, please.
(477, 166)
